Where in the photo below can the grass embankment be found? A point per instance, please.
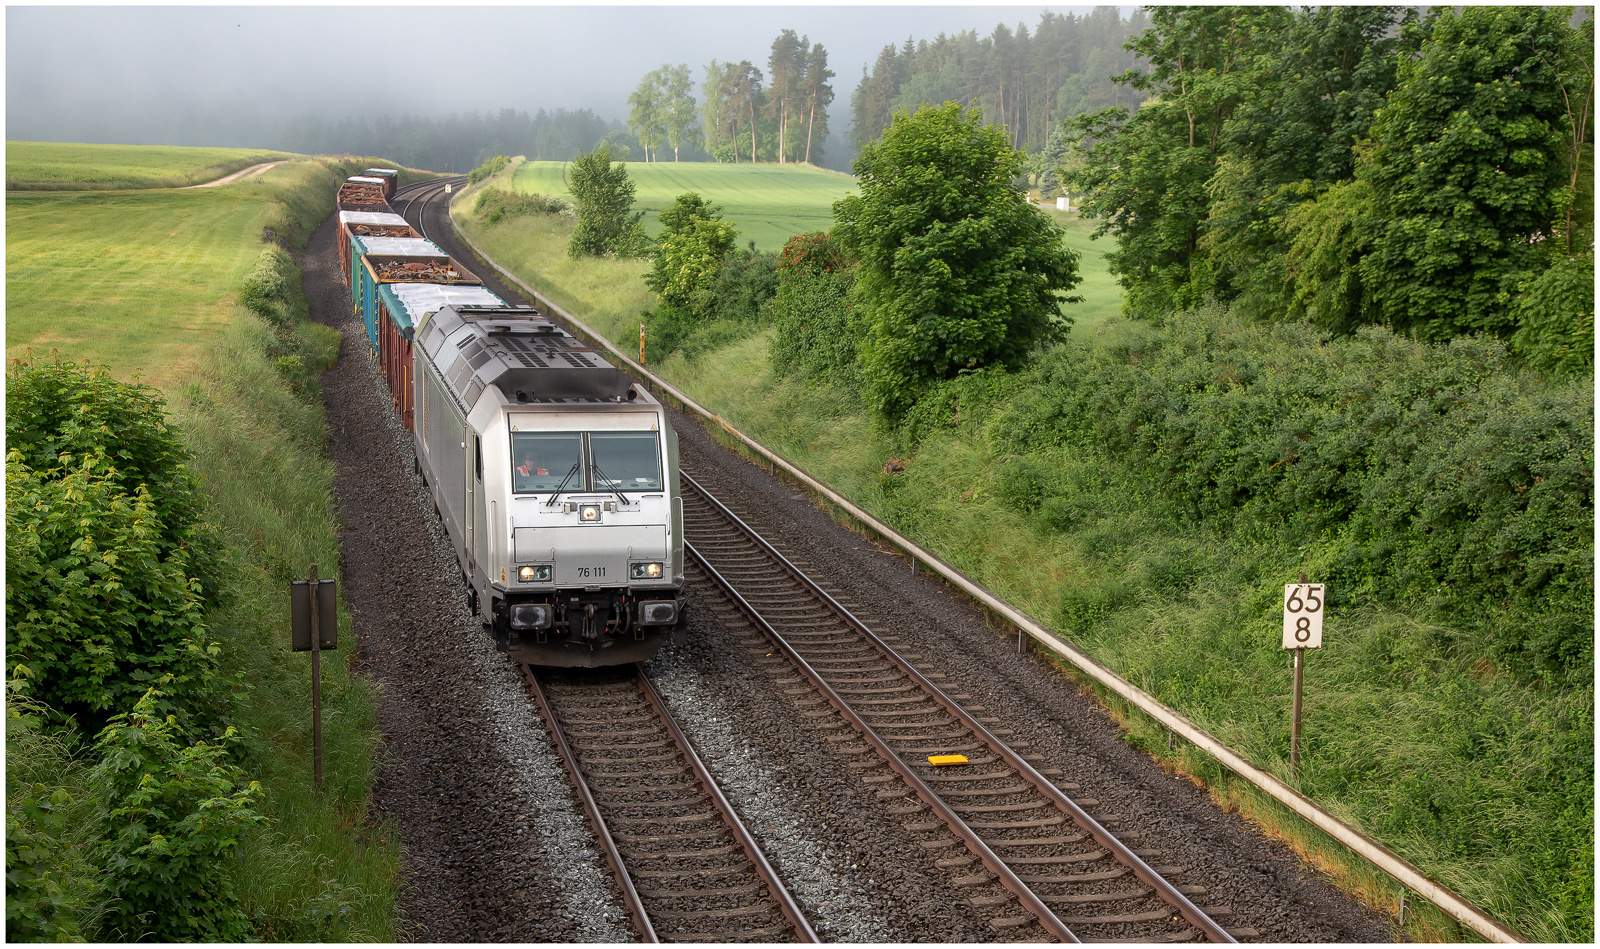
(1482, 777)
(241, 385)
(58, 166)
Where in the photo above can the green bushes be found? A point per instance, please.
(488, 168)
(106, 580)
(710, 294)
(819, 323)
(301, 348)
(497, 204)
(173, 812)
(1438, 475)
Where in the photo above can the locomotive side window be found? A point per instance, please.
(541, 460)
(625, 461)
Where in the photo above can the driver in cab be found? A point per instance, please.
(530, 466)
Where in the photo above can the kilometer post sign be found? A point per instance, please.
(1302, 629)
(1302, 615)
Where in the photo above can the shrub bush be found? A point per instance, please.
(173, 813)
(747, 281)
(497, 204)
(54, 891)
(819, 322)
(1432, 473)
(97, 608)
(488, 168)
(80, 411)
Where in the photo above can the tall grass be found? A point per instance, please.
(322, 871)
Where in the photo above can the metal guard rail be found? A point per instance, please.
(1397, 867)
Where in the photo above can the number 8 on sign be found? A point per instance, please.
(1302, 615)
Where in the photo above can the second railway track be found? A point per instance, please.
(1034, 859)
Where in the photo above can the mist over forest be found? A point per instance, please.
(1030, 69)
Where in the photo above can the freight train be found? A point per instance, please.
(555, 476)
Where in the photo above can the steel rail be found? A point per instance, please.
(608, 846)
(969, 837)
(1396, 867)
(779, 893)
(1124, 855)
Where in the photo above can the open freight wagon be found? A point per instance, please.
(368, 224)
(363, 196)
(389, 175)
(401, 306)
(364, 286)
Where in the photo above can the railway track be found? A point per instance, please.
(418, 194)
(687, 868)
(1026, 853)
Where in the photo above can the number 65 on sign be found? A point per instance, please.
(1302, 615)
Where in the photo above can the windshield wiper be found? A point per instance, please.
(562, 486)
(611, 485)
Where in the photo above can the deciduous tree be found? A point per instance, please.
(603, 194)
(645, 112)
(677, 106)
(957, 270)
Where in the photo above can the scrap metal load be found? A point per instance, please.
(357, 195)
(425, 270)
(369, 224)
(388, 175)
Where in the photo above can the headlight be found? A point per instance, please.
(535, 573)
(644, 571)
(658, 612)
(531, 616)
(589, 513)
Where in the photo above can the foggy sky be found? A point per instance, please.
(213, 75)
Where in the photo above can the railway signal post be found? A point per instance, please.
(1302, 629)
(313, 627)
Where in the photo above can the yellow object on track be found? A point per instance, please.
(947, 759)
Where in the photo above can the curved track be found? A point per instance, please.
(687, 868)
(1038, 858)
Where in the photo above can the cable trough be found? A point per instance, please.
(1034, 857)
(687, 868)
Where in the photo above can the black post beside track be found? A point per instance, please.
(1119, 851)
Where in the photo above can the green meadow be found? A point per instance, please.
(768, 203)
(140, 281)
(62, 166)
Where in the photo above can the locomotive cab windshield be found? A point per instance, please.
(604, 461)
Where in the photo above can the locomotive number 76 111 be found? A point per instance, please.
(591, 573)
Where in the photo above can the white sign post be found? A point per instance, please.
(1302, 629)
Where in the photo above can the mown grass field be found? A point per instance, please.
(141, 281)
(57, 165)
(146, 284)
(768, 203)
(1409, 734)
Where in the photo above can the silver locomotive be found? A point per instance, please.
(556, 477)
